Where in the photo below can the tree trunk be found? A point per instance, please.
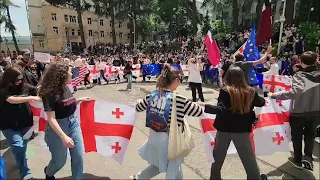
(289, 12)
(83, 40)
(113, 28)
(258, 11)
(133, 15)
(12, 30)
(194, 17)
(235, 14)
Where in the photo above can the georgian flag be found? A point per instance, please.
(106, 127)
(276, 83)
(271, 134)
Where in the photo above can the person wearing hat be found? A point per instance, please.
(34, 68)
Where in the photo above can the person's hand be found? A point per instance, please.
(202, 104)
(86, 99)
(67, 141)
(36, 98)
(270, 94)
(269, 49)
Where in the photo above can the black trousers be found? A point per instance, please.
(194, 88)
(86, 81)
(303, 127)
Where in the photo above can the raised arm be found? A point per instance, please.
(263, 58)
(142, 104)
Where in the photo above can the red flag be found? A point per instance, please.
(264, 32)
(212, 49)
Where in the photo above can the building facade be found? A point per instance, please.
(52, 28)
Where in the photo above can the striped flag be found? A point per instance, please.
(78, 74)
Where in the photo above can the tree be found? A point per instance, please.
(6, 18)
(78, 5)
(206, 24)
(107, 8)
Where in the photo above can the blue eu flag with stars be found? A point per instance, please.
(251, 53)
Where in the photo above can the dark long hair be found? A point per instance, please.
(10, 76)
(241, 94)
(54, 80)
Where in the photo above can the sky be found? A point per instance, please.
(19, 17)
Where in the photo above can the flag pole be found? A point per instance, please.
(282, 19)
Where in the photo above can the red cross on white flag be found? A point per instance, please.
(106, 127)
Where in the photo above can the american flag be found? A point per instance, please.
(78, 74)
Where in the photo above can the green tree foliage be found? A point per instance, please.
(206, 24)
(5, 17)
(78, 5)
(311, 32)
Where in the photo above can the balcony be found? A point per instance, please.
(38, 34)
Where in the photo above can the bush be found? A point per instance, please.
(311, 33)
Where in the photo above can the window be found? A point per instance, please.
(41, 44)
(120, 35)
(120, 24)
(74, 19)
(66, 19)
(90, 32)
(67, 31)
(72, 32)
(101, 33)
(110, 34)
(110, 23)
(101, 22)
(71, 18)
(78, 32)
(129, 37)
(55, 29)
(128, 25)
(89, 21)
(54, 16)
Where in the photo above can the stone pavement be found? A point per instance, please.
(196, 164)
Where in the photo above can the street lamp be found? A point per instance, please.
(134, 34)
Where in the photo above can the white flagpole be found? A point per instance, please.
(282, 19)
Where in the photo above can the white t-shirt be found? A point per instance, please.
(274, 69)
(194, 73)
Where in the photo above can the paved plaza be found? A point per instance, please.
(196, 164)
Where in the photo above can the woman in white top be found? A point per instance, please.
(274, 68)
(195, 80)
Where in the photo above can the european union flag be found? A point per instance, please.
(150, 69)
(251, 53)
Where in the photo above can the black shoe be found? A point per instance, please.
(263, 177)
(296, 164)
(48, 177)
(307, 164)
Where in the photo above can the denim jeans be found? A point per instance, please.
(71, 127)
(18, 147)
(129, 85)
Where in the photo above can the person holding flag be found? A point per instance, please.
(304, 109)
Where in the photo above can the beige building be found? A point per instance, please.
(52, 28)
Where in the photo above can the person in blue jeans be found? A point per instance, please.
(63, 131)
(16, 115)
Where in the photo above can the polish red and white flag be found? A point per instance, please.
(106, 127)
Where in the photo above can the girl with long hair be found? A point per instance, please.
(158, 106)
(234, 120)
(16, 115)
(63, 131)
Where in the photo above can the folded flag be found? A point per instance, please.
(106, 127)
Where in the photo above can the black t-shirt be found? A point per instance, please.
(64, 106)
(16, 116)
(245, 66)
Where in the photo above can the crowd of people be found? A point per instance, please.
(24, 80)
